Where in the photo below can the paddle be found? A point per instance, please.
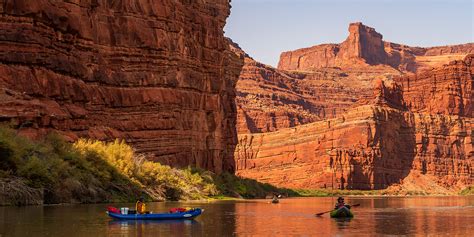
(321, 213)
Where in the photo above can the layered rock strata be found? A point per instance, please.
(270, 99)
(443, 90)
(158, 74)
(419, 124)
(324, 81)
(371, 147)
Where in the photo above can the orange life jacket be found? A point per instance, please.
(141, 207)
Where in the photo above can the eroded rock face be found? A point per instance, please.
(370, 148)
(419, 124)
(324, 81)
(364, 47)
(158, 74)
(270, 99)
(444, 90)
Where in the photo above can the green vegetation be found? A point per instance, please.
(55, 172)
(52, 170)
(337, 192)
(158, 182)
(467, 191)
(231, 185)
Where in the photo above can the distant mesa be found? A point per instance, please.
(364, 46)
(324, 81)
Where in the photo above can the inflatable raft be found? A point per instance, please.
(342, 212)
(158, 216)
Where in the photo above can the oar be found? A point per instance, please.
(321, 213)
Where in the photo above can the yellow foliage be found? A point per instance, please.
(150, 175)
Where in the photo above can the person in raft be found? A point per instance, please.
(141, 206)
(275, 199)
(340, 203)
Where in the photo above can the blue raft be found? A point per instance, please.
(159, 216)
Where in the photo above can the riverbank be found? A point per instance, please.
(51, 170)
(414, 184)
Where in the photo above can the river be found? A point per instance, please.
(291, 217)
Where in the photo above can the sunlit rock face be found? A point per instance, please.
(364, 47)
(158, 74)
(324, 81)
(363, 114)
(269, 99)
(374, 146)
(443, 90)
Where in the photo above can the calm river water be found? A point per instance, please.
(291, 217)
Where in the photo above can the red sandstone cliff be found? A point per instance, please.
(158, 74)
(323, 82)
(269, 99)
(370, 147)
(415, 132)
(369, 121)
(363, 47)
(443, 90)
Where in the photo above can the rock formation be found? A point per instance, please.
(443, 90)
(364, 46)
(269, 99)
(369, 115)
(323, 81)
(377, 145)
(158, 74)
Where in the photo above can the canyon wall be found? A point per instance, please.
(158, 74)
(374, 146)
(443, 90)
(371, 147)
(270, 99)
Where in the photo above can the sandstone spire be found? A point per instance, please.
(364, 47)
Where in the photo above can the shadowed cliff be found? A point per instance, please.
(158, 74)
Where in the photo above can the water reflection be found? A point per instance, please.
(291, 217)
(141, 228)
(342, 223)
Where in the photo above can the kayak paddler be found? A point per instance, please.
(141, 206)
(340, 203)
(275, 199)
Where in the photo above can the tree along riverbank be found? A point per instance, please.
(51, 171)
